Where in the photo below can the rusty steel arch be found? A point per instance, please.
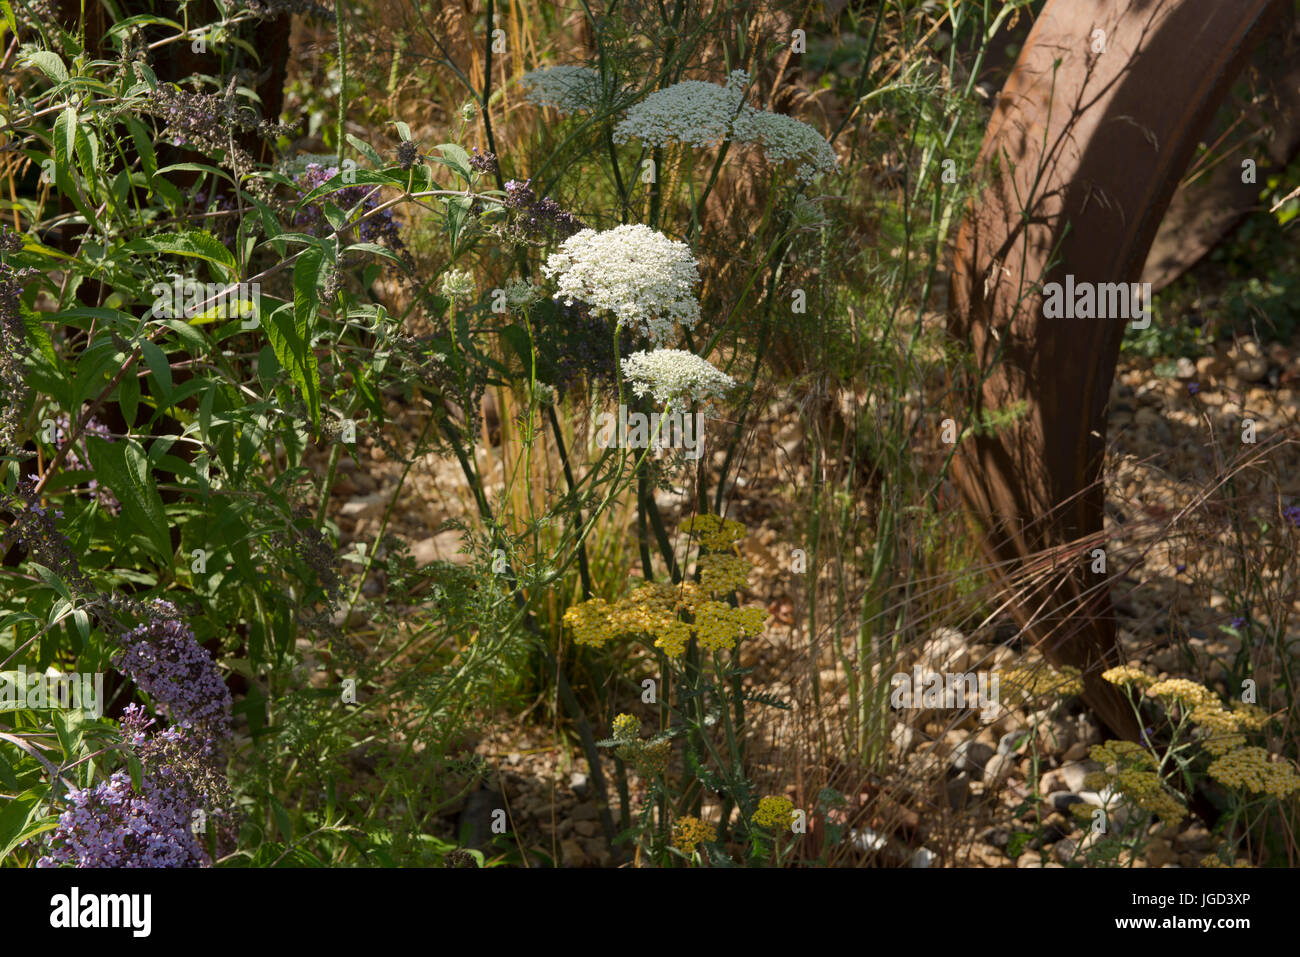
(1083, 153)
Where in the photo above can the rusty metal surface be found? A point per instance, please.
(1084, 152)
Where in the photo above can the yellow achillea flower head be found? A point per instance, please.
(590, 621)
(1123, 754)
(1146, 791)
(774, 812)
(673, 638)
(650, 609)
(715, 534)
(652, 759)
(1249, 717)
(689, 831)
(626, 727)
(1187, 693)
(718, 626)
(1126, 675)
(1213, 718)
(1250, 769)
(1223, 743)
(721, 574)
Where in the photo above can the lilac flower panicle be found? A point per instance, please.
(485, 162)
(537, 218)
(1292, 514)
(113, 825)
(165, 660)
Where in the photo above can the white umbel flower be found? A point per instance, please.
(675, 375)
(458, 283)
(641, 276)
(566, 89)
(784, 139)
(693, 113)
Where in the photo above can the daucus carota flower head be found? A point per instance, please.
(566, 89)
(784, 139)
(642, 277)
(673, 376)
(774, 812)
(692, 113)
(458, 283)
(520, 294)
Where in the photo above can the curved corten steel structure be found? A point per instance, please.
(1085, 148)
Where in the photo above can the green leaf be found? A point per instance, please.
(13, 823)
(455, 157)
(290, 332)
(49, 63)
(156, 359)
(190, 242)
(282, 822)
(124, 468)
(365, 149)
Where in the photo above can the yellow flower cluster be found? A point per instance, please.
(1042, 681)
(1123, 754)
(715, 534)
(652, 609)
(1213, 860)
(590, 621)
(689, 831)
(1126, 675)
(1251, 769)
(1187, 693)
(718, 625)
(721, 574)
(1223, 743)
(1249, 717)
(1146, 791)
(626, 727)
(774, 812)
(1220, 727)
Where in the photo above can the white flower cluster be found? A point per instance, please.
(644, 278)
(671, 375)
(458, 283)
(691, 112)
(702, 114)
(785, 139)
(520, 294)
(567, 89)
